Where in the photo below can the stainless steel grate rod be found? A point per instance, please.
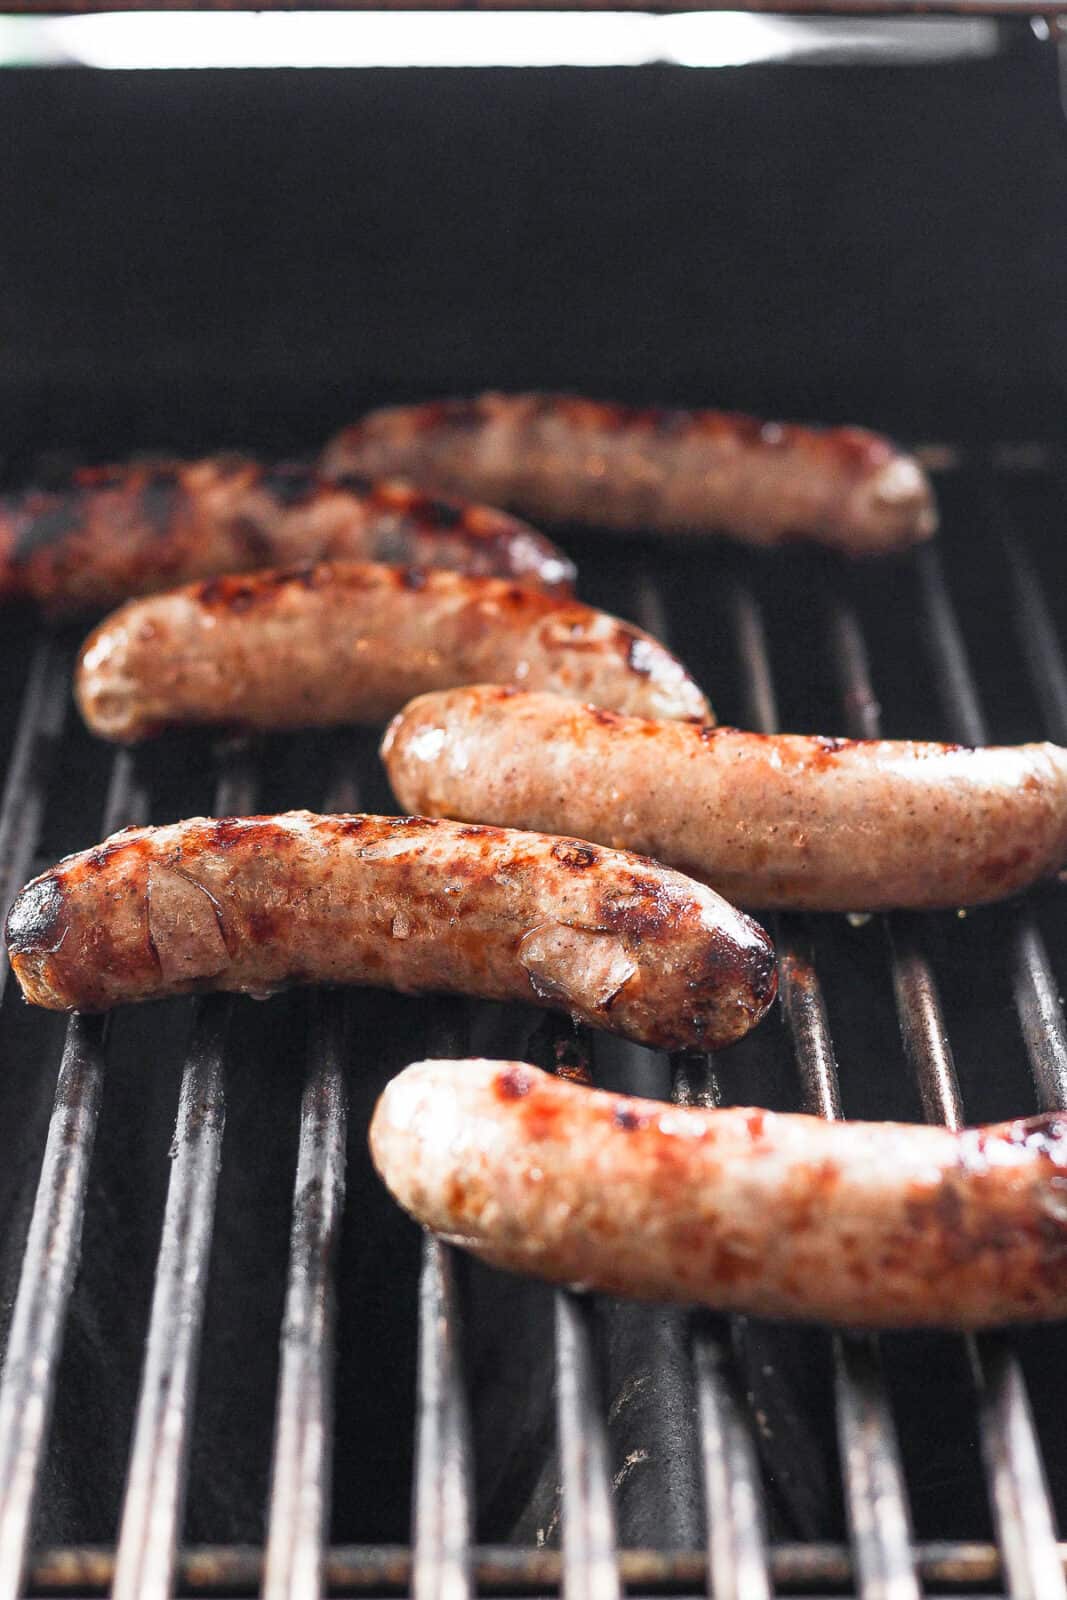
(1040, 1014)
(299, 1512)
(733, 1489)
(443, 1511)
(1036, 991)
(875, 1491)
(300, 1491)
(443, 1501)
(155, 1485)
(50, 1258)
(590, 1560)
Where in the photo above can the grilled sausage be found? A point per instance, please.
(351, 642)
(253, 904)
(859, 1223)
(120, 531)
(770, 821)
(563, 459)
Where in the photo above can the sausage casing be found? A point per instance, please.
(120, 531)
(253, 904)
(564, 459)
(859, 1223)
(770, 821)
(347, 642)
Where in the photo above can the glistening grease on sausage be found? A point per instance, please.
(346, 642)
(119, 531)
(254, 904)
(649, 469)
(857, 1223)
(770, 821)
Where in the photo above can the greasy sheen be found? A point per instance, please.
(770, 821)
(127, 530)
(254, 904)
(858, 1223)
(564, 459)
(347, 642)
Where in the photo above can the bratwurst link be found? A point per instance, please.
(120, 531)
(651, 470)
(352, 642)
(860, 1223)
(253, 904)
(769, 820)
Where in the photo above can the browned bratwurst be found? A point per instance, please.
(120, 531)
(253, 904)
(874, 1224)
(652, 470)
(770, 821)
(351, 642)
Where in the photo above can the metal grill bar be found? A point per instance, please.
(40, 723)
(298, 1524)
(737, 1551)
(590, 1562)
(875, 1493)
(51, 1256)
(1040, 1014)
(1018, 1493)
(155, 1484)
(443, 1500)
(1036, 991)
(442, 1555)
(733, 1493)
(226, 1570)
(300, 1494)
(590, 1550)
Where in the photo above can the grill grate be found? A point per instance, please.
(994, 523)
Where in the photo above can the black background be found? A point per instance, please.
(247, 258)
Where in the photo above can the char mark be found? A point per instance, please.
(35, 922)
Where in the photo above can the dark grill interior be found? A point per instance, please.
(691, 1451)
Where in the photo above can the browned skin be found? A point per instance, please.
(872, 1224)
(120, 531)
(254, 904)
(352, 642)
(770, 821)
(651, 470)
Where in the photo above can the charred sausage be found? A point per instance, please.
(253, 904)
(563, 459)
(860, 1223)
(120, 531)
(770, 821)
(351, 642)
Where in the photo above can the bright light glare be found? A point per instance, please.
(472, 39)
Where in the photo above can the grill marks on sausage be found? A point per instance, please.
(250, 904)
(130, 530)
(651, 469)
(351, 642)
